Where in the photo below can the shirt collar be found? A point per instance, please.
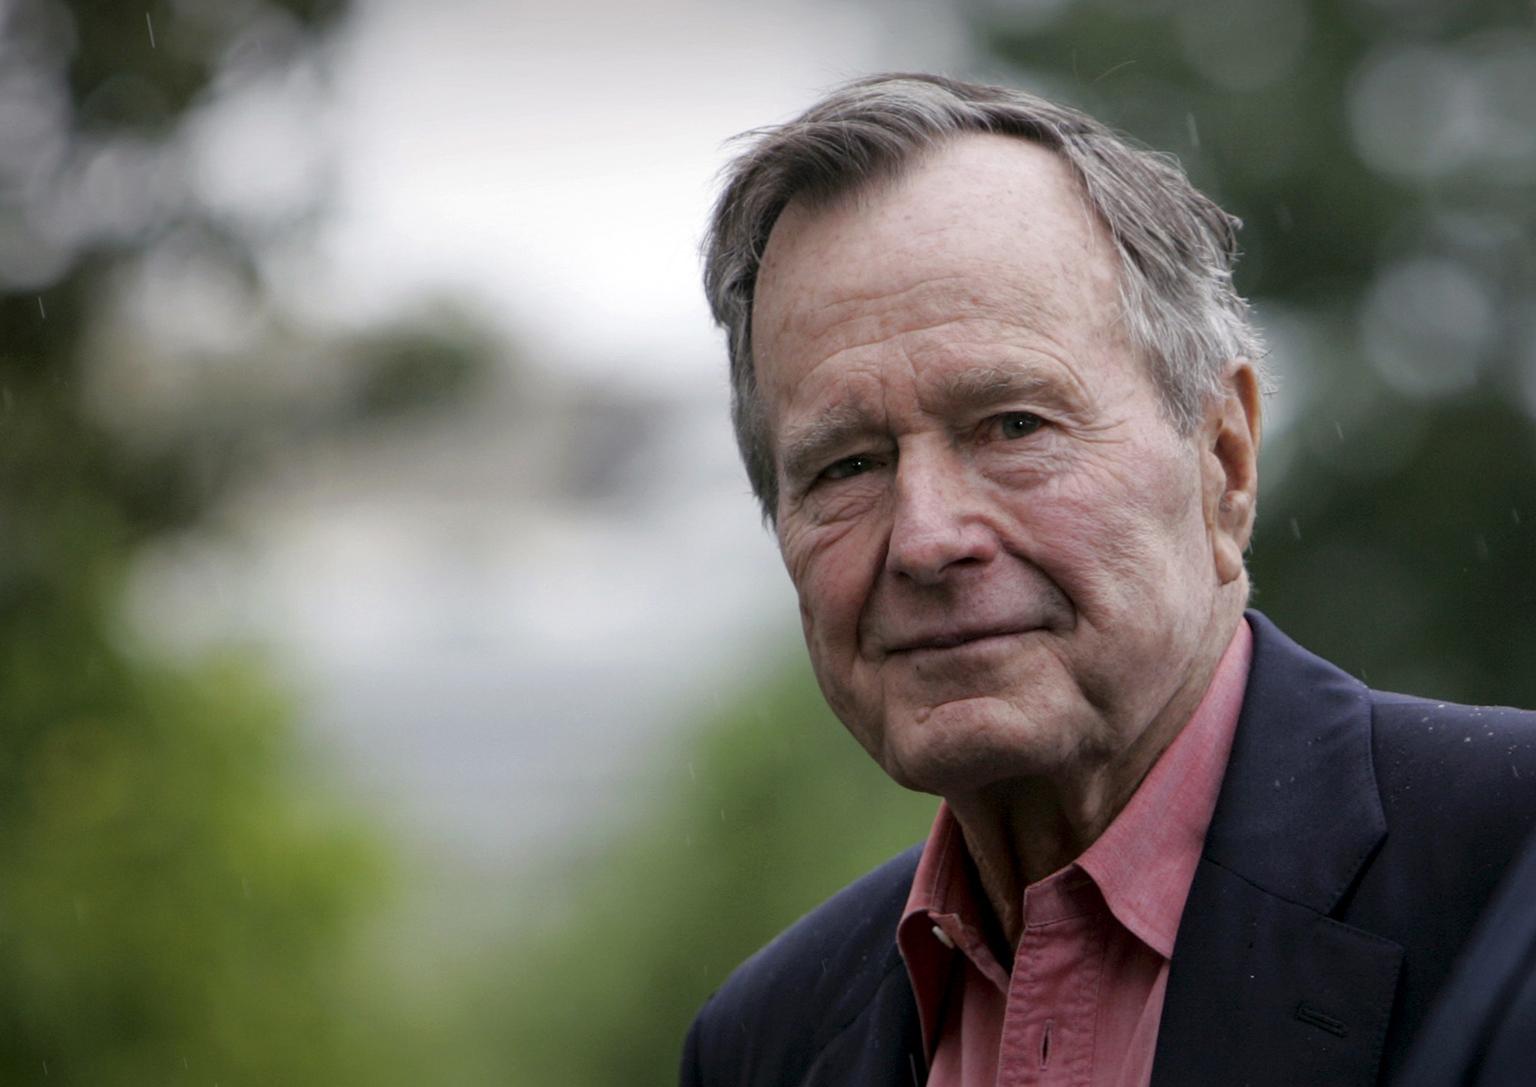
(1145, 860)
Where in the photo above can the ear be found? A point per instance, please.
(1229, 454)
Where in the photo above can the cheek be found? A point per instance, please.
(831, 567)
(1176, 505)
(1137, 533)
(834, 587)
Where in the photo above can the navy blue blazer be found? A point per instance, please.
(1356, 838)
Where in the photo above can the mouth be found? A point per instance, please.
(942, 640)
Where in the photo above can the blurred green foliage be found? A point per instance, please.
(180, 901)
(175, 900)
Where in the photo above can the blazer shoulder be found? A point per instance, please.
(1474, 762)
(1462, 777)
(781, 1007)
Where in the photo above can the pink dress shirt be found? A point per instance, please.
(1080, 1002)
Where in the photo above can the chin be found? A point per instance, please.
(964, 746)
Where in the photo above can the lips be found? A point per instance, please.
(949, 638)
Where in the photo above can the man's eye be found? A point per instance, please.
(848, 466)
(1018, 424)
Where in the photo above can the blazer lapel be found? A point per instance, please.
(1265, 986)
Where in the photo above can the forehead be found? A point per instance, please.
(984, 235)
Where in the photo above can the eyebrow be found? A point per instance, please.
(804, 448)
(983, 385)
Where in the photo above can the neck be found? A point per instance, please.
(1021, 830)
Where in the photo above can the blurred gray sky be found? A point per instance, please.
(556, 160)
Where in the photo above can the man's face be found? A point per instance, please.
(1003, 550)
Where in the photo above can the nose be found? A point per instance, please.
(938, 523)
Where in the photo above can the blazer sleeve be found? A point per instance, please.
(691, 1074)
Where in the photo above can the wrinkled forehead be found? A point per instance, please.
(992, 224)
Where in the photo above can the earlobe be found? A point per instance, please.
(1233, 528)
(1232, 482)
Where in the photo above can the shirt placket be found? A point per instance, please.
(1048, 1026)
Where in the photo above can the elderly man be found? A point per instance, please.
(1000, 402)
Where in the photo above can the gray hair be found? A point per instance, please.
(1176, 247)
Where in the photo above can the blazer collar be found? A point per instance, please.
(1299, 812)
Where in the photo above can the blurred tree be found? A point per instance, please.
(177, 899)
